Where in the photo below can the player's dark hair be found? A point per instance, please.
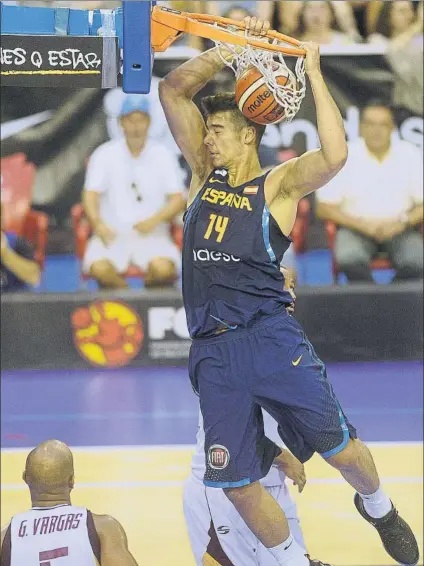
(377, 103)
(226, 102)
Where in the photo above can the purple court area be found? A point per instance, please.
(155, 406)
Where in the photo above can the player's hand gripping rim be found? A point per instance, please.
(293, 469)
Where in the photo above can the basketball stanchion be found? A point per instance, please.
(63, 47)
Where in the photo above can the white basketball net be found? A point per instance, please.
(290, 95)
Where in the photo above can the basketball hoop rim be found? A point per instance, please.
(200, 25)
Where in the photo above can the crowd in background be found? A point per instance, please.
(361, 234)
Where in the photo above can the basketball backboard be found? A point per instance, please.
(137, 48)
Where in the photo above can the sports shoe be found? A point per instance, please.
(396, 535)
(316, 562)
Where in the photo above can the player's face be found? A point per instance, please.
(135, 126)
(376, 128)
(223, 140)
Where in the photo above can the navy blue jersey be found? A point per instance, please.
(231, 257)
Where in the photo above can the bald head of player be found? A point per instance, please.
(49, 473)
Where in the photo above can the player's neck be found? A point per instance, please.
(247, 167)
(49, 500)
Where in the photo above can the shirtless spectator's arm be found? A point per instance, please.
(113, 542)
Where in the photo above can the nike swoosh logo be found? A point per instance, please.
(297, 362)
(289, 545)
(213, 180)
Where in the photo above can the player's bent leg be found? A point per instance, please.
(267, 521)
(107, 276)
(356, 465)
(161, 271)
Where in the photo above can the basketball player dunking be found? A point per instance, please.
(234, 239)
(218, 535)
(53, 527)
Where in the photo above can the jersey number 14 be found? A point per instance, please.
(216, 224)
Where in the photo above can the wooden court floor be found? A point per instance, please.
(142, 488)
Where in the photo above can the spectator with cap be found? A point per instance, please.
(133, 190)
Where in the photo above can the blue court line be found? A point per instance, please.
(167, 415)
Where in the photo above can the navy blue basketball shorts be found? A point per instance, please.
(274, 366)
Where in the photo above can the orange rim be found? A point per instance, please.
(167, 26)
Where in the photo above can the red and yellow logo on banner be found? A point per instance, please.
(107, 333)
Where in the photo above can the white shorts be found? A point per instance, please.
(204, 504)
(131, 248)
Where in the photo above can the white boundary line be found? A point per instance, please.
(179, 447)
(178, 483)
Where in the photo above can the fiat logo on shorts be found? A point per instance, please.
(218, 457)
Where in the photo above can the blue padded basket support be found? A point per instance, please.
(78, 22)
(23, 20)
(138, 53)
(61, 21)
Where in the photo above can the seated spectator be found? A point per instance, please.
(393, 20)
(401, 31)
(133, 189)
(218, 8)
(283, 15)
(18, 270)
(377, 200)
(317, 22)
(237, 13)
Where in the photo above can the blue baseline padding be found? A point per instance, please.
(138, 53)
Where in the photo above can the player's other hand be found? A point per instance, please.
(255, 26)
(293, 469)
(312, 58)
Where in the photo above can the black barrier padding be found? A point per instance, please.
(346, 323)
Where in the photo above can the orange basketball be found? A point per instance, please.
(255, 100)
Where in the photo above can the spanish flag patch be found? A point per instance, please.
(251, 190)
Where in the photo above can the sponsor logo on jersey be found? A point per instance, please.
(210, 255)
(223, 530)
(251, 190)
(214, 196)
(218, 457)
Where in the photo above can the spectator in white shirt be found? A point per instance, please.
(377, 200)
(133, 189)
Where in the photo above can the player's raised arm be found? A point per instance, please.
(313, 169)
(113, 542)
(176, 93)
